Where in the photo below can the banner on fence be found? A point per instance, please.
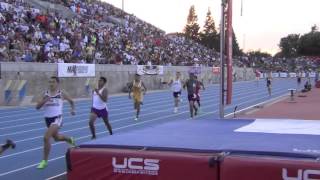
(149, 70)
(76, 70)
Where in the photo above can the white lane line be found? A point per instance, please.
(58, 175)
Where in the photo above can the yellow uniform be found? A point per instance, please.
(137, 91)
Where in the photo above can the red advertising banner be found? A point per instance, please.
(216, 70)
(268, 168)
(229, 51)
(122, 164)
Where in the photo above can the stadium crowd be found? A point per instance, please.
(103, 34)
(100, 33)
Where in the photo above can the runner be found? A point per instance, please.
(176, 87)
(99, 107)
(9, 144)
(198, 87)
(269, 85)
(139, 89)
(52, 102)
(258, 75)
(191, 88)
(298, 80)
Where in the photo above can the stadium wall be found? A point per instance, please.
(37, 75)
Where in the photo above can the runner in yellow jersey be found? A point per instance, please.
(138, 89)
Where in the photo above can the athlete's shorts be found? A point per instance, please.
(192, 97)
(57, 120)
(101, 113)
(177, 94)
(138, 98)
(198, 97)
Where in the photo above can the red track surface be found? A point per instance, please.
(307, 108)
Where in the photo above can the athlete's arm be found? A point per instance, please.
(130, 89)
(202, 86)
(170, 83)
(68, 98)
(44, 99)
(104, 95)
(144, 87)
(185, 84)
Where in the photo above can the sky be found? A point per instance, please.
(262, 24)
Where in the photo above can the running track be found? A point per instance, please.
(26, 125)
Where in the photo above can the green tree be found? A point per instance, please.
(309, 44)
(314, 28)
(256, 58)
(191, 30)
(209, 36)
(258, 54)
(236, 51)
(289, 45)
(235, 46)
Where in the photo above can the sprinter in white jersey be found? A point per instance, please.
(52, 103)
(176, 87)
(99, 107)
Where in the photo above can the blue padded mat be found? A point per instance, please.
(212, 135)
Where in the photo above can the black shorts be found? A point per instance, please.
(198, 97)
(57, 120)
(192, 97)
(177, 94)
(101, 113)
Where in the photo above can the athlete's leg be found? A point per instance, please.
(138, 108)
(269, 90)
(60, 137)
(92, 119)
(198, 101)
(195, 107)
(52, 129)
(176, 102)
(108, 125)
(191, 105)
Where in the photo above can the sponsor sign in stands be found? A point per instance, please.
(149, 70)
(283, 75)
(216, 70)
(312, 74)
(292, 75)
(76, 70)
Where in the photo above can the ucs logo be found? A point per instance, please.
(307, 174)
(136, 163)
